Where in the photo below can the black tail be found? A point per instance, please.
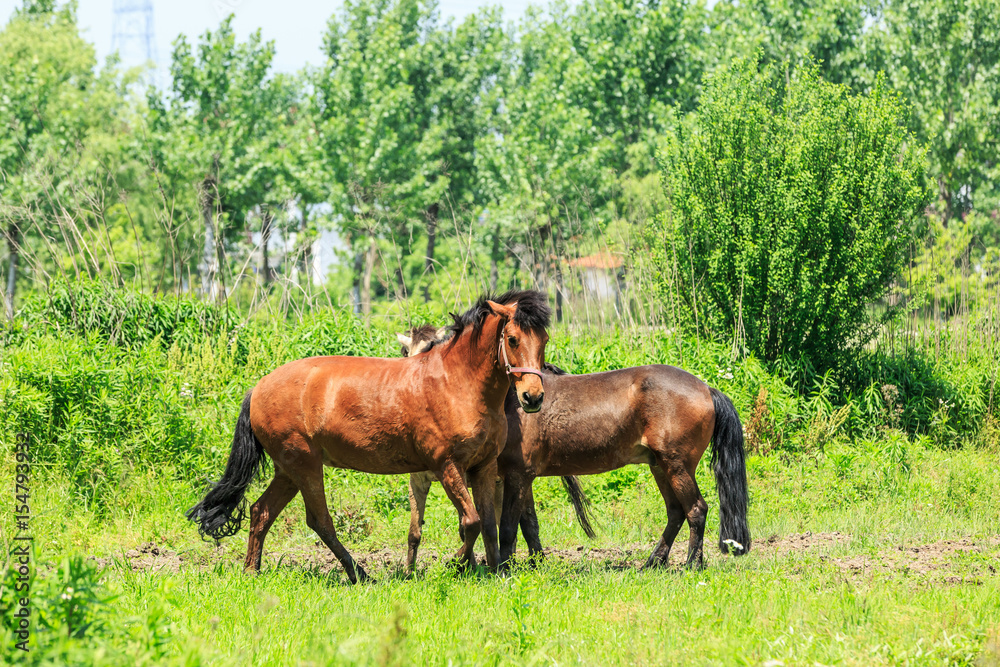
(730, 468)
(581, 503)
(222, 510)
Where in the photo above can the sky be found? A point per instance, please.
(296, 26)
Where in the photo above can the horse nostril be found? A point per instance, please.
(525, 397)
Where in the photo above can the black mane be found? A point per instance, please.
(532, 314)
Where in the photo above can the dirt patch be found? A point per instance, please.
(951, 561)
(800, 542)
(151, 556)
(612, 558)
(963, 560)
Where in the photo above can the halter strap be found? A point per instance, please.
(502, 352)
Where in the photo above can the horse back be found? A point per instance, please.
(369, 414)
(602, 421)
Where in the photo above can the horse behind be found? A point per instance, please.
(437, 412)
(656, 415)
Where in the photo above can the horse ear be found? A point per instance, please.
(404, 340)
(501, 310)
(441, 333)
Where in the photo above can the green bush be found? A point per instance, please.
(74, 623)
(121, 315)
(792, 205)
(102, 413)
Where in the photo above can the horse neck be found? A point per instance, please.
(490, 381)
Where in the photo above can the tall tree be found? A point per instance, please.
(643, 54)
(373, 100)
(944, 57)
(52, 101)
(548, 166)
(466, 63)
(209, 129)
(789, 33)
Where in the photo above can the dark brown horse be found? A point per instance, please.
(658, 415)
(441, 412)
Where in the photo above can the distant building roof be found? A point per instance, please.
(602, 260)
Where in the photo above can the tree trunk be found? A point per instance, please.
(266, 220)
(559, 293)
(542, 260)
(366, 280)
(209, 265)
(946, 196)
(13, 248)
(432, 222)
(306, 244)
(401, 284)
(494, 257)
(558, 273)
(359, 262)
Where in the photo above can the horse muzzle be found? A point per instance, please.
(531, 402)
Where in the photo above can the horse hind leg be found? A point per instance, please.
(675, 519)
(275, 498)
(695, 508)
(318, 518)
(420, 485)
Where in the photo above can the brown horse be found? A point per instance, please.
(658, 415)
(441, 412)
(420, 340)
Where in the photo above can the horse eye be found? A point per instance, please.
(511, 341)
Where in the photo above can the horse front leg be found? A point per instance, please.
(529, 526)
(484, 491)
(514, 493)
(453, 481)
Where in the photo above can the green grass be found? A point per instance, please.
(795, 609)
(800, 606)
(126, 433)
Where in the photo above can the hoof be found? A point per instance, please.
(363, 577)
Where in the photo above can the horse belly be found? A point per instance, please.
(371, 456)
(576, 457)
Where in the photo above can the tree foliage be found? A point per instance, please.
(436, 148)
(54, 108)
(792, 207)
(943, 57)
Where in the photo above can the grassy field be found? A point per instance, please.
(874, 513)
(865, 561)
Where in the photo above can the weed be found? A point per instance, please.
(762, 436)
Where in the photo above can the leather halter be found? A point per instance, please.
(502, 353)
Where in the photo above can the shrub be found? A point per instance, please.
(73, 622)
(791, 208)
(120, 315)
